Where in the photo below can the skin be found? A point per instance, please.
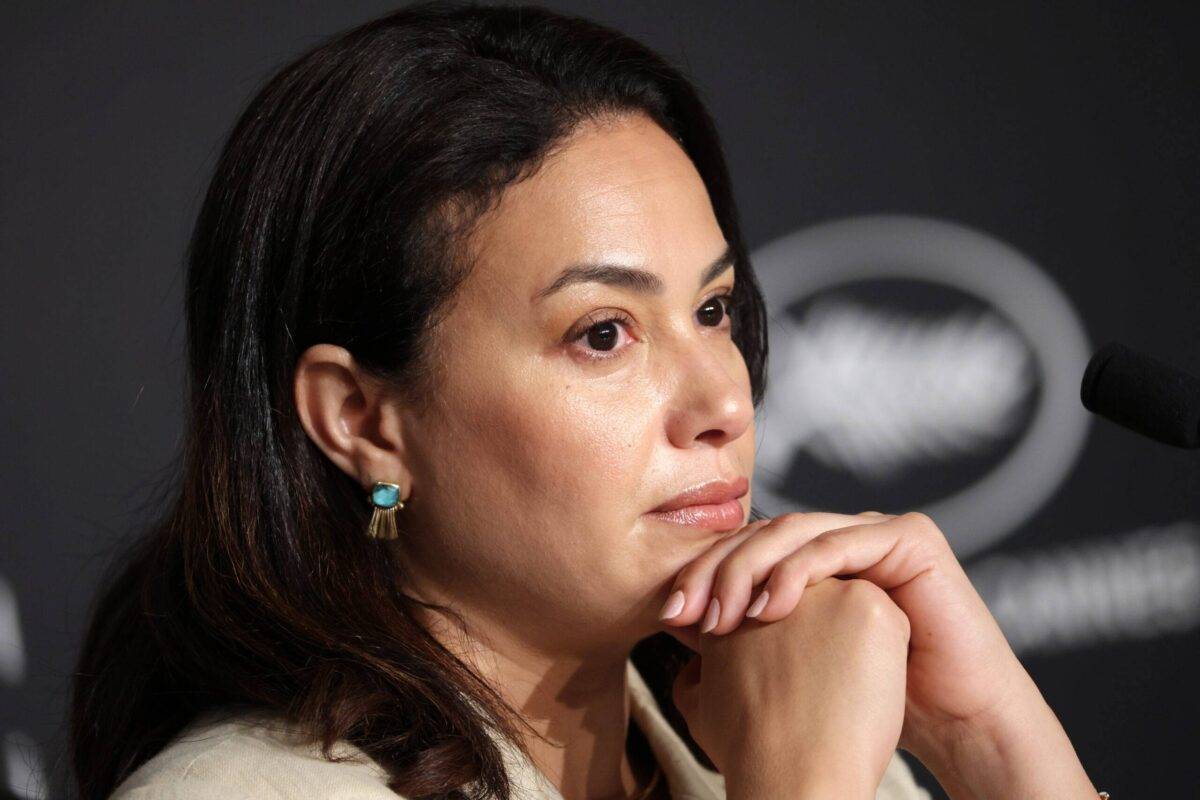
(530, 475)
(529, 479)
(972, 714)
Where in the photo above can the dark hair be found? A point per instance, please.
(337, 213)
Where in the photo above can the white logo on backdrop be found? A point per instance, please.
(12, 647)
(874, 392)
(23, 768)
(19, 754)
(1139, 585)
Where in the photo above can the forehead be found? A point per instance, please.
(614, 191)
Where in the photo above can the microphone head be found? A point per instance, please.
(1143, 394)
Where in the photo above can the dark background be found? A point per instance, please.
(1070, 131)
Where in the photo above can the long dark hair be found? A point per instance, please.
(336, 214)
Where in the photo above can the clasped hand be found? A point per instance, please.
(961, 670)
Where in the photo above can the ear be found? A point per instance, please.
(349, 415)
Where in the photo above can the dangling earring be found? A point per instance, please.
(385, 497)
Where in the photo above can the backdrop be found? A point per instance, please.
(951, 205)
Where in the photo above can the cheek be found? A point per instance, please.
(604, 436)
(543, 448)
(540, 467)
(581, 451)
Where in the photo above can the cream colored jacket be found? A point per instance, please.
(253, 757)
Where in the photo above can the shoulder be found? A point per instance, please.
(257, 756)
(898, 782)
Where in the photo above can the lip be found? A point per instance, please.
(709, 493)
(713, 504)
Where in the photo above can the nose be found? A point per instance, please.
(712, 397)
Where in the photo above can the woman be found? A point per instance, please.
(470, 318)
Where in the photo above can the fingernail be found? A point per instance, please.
(673, 605)
(758, 605)
(710, 617)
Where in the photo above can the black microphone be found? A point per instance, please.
(1143, 394)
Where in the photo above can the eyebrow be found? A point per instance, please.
(632, 278)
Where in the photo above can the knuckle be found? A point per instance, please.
(724, 575)
(758, 523)
(823, 541)
(920, 519)
(868, 599)
(685, 578)
(734, 568)
(898, 622)
(792, 517)
(788, 571)
(927, 529)
(738, 562)
(692, 576)
(903, 623)
(863, 592)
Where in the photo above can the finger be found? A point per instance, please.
(889, 553)
(719, 589)
(752, 562)
(688, 581)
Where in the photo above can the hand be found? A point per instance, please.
(961, 671)
(816, 699)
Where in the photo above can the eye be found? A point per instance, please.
(723, 303)
(600, 335)
(597, 337)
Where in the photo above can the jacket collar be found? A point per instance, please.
(687, 777)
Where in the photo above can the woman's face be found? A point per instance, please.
(552, 436)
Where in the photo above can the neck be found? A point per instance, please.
(579, 703)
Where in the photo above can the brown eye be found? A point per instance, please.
(602, 335)
(715, 310)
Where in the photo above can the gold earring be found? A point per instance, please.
(385, 497)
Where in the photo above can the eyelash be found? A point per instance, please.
(618, 316)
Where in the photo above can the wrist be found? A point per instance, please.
(1021, 750)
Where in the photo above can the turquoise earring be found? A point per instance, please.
(385, 497)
